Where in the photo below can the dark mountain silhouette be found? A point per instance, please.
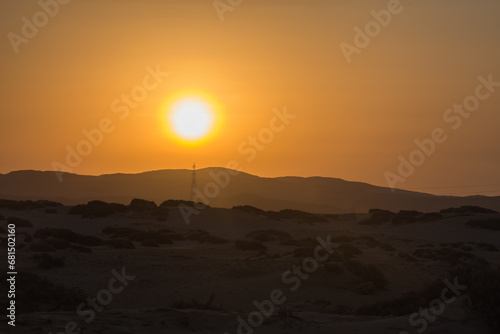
(313, 194)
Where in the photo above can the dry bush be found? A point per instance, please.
(19, 222)
(249, 245)
(367, 273)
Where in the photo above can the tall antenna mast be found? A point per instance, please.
(193, 184)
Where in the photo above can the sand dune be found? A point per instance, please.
(201, 279)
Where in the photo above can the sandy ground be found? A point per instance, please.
(186, 271)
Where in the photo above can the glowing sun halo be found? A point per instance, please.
(191, 119)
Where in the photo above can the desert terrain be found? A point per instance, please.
(309, 273)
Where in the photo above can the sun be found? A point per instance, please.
(191, 119)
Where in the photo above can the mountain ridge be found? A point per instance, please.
(313, 194)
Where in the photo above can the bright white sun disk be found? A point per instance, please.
(191, 118)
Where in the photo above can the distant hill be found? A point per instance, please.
(312, 194)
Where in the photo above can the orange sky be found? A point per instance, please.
(353, 120)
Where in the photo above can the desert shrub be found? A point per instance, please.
(387, 247)
(407, 303)
(27, 236)
(195, 304)
(409, 213)
(432, 216)
(174, 202)
(65, 234)
(268, 235)
(41, 204)
(366, 288)
(343, 238)
(165, 230)
(380, 211)
(467, 209)
(81, 249)
(403, 305)
(486, 246)
(290, 242)
(120, 244)
(203, 236)
(483, 290)
(303, 252)
(348, 250)
(367, 273)
(142, 235)
(333, 268)
(41, 246)
(141, 205)
(457, 258)
(406, 216)
(304, 242)
(369, 241)
(160, 238)
(13, 205)
(425, 253)
(58, 243)
(451, 256)
(249, 209)
(176, 236)
(95, 209)
(33, 292)
(297, 215)
(487, 224)
(196, 235)
(444, 251)
(119, 231)
(59, 233)
(137, 235)
(77, 209)
(212, 239)
(273, 256)
(377, 217)
(46, 261)
(249, 245)
(407, 257)
(160, 213)
(150, 243)
(24, 205)
(89, 240)
(333, 216)
(19, 222)
(312, 218)
(118, 207)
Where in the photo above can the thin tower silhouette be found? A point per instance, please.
(193, 184)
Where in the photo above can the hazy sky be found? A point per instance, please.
(352, 120)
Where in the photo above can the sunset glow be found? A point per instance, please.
(191, 119)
